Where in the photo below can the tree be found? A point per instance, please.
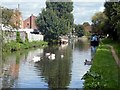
(55, 20)
(79, 30)
(6, 16)
(10, 17)
(112, 11)
(48, 24)
(98, 22)
(87, 28)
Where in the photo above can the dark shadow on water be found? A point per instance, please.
(93, 51)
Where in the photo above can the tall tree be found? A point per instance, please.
(112, 11)
(98, 22)
(79, 30)
(48, 24)
(87, 28)
(6, 16)
(55, 20)
(10, 17)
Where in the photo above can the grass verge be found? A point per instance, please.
(115, 44)
(104, 72)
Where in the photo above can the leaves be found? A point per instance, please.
(6, 16)
(98, 21)
(10, 17)
(55, 20)
(112, 11)
(78, 30)
(94, 80)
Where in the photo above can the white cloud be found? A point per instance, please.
(84, 11)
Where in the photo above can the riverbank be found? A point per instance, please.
(15, 46)
(115, 44)
(104, 72)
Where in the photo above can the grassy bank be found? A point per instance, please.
(104, 72)
(115, 44)
(15, 46)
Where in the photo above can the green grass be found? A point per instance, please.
(15, 46)
(115, 44)
(104, 72)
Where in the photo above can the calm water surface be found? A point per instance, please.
(21, 72)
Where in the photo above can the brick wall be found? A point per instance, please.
(29, 23)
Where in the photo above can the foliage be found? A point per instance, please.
(78, 30)
(55, 20)
(108, 22)
(87, 28)
(112, 11)
(6, 16)
(18, 39)
(96, 80)
(98, 22)
(15, 46)
(10, 17)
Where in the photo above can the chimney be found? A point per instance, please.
(31, 21)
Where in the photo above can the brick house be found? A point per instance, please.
(29, 23)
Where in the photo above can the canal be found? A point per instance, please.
(64, 71)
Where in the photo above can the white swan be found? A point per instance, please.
(36, 58)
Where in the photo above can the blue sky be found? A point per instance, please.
(83, 9)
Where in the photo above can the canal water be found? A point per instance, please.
(65, 71)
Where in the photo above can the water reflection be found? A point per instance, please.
(93, 51)
(66, 72)
(57, 72)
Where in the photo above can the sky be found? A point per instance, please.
(83, 9)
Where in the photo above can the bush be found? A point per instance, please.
(15, 46)
(18, 39)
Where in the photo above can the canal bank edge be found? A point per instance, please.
(15, 46)
(104, 72)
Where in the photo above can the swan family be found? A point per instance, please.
(50, 56)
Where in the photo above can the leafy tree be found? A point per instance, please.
(6, 16)
(79, 30)
(48, 24)
(98, 22)
(55, 20)
(112, 11)
(10, 17)
(87, 28)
